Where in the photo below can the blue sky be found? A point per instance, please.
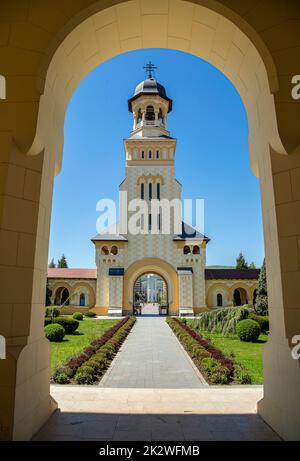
(212, 157)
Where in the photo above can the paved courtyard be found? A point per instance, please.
(94, 413)
(153, 392)
(152, 357)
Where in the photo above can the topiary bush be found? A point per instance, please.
(262, 320)
(70, 325)
(52, 312)
(77, 316)
(248, 330)
(54, 332)
(90, 314)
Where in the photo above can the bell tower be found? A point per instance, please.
(150, 149)
(150, 106)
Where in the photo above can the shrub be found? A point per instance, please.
(90, 314)
(77, 316)
(217, 368)
(47, 321)
(85, 375)
(248, 330)
(61, 378)
(241, 375)
(70, 325)
(85, 367)
(52, 312)
(54, 332)
(263, 322)
(223, 320)
(216, 373)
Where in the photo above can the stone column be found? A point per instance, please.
(281, 211)
(115, 291)
(26, 196)
(185, 275)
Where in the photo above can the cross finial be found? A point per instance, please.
(150, 69)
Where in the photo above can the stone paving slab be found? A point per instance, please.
(153, 358)
(94, 413)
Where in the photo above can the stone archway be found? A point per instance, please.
(150, 293)
(47, 59)
(156, 266)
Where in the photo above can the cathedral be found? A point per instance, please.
(183, 285)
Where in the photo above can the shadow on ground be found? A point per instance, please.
(155, 427)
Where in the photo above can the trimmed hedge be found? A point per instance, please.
(54, 332)
(216, 368)
(94, 368)
(248, 330)
(77, 316)
(70, 325)
(52, 312)
(96, 356)
(90, 314)
(262, 320)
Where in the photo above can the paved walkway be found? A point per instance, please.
(153, 358)
(93, 413)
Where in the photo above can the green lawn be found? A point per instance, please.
(247, 354)
(88, 330)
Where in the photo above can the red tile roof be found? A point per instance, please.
(231, 274)
(56, 273)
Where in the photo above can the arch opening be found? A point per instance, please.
(150, 295)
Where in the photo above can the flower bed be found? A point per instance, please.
(89, 366)
(216, 368)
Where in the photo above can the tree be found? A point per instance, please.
(241, 262)
(52, 264)
(62, 262)
(252, 265)
(261, 304)
(48, 295)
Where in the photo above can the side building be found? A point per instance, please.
(75, 289)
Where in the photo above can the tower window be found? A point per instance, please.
(150, 191)
(150, 153)
(186, 250)
(157, 154)
(82, 299)
(149, 221)
(150, 114)
(158, 190)
(160, 116)
(142, 191)
(143, 154)
(219, 300)
(139, 116)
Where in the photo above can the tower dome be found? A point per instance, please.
(151, 87)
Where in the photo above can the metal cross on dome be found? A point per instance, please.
(150, 69)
